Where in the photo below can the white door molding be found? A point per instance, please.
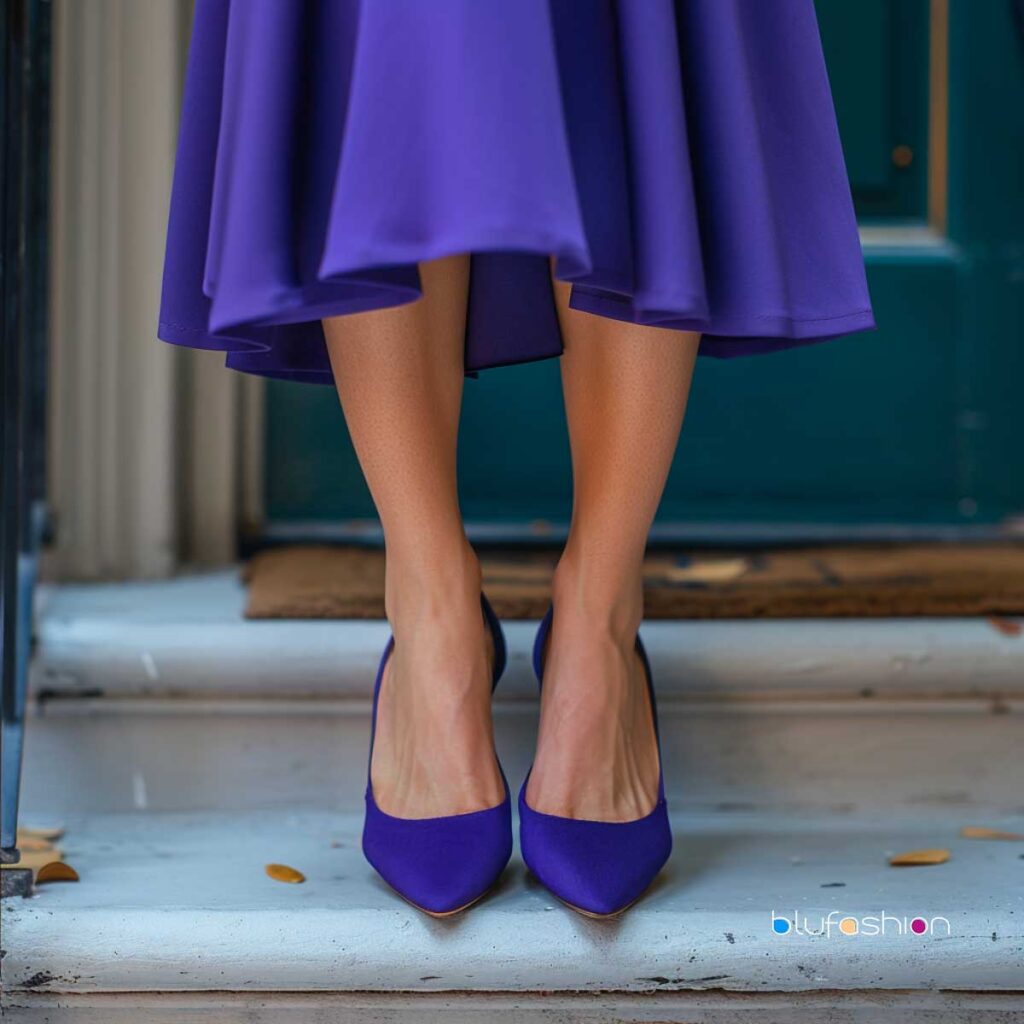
(145, 440)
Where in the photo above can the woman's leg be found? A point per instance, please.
(399, 374)
(625, 392)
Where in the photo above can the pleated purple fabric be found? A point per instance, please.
(679, 159)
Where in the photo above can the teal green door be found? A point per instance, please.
(918, 425)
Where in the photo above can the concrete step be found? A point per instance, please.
(187, 638)
(176, 755)
(186, 748)
(181, 904)
(678, 1007)
(161, 696)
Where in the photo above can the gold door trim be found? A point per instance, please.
(938, 115)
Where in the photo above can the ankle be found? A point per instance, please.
(432, 583)
(598, 598)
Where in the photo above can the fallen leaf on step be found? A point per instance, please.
(916, 858)
(50, 835)
(56, 871)
(973, 832)
(1005, 626)
(706, 570)
(30, 844)
(283, 873)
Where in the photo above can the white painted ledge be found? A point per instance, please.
(697, 1007)
(181, 903)
(187, 637)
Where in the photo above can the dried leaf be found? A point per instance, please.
(56, 871)
(917, 858)
(707, 570)
(50, 834)
(1006, 626)
(283, 873)
(29, 844)
(974, 832)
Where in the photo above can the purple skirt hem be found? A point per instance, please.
(680, 158)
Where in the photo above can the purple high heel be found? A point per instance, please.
(440, 865)
(598, 868)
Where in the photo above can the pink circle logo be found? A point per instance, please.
(919, 926)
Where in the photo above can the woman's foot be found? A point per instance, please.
(433, 752)
(597, 751)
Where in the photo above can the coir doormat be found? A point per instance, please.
(319, 582)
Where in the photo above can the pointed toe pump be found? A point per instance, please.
(440, 865)
(598, 868)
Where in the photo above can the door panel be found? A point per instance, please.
(917, 424)
(876, 52)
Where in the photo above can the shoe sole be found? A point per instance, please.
(592, 914)
(441, 914)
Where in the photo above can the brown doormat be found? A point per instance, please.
(318, 582)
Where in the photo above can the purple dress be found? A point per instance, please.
(679, 158)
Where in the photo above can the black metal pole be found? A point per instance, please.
(11, 494)
(24, 186)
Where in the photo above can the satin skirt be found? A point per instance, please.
(679, 159)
